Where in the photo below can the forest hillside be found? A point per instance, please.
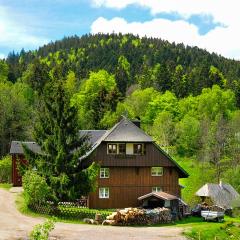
(186, 98)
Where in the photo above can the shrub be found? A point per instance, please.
(5, 169)
(41, 231)
(36, 190)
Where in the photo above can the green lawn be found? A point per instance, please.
(23, 208)
(5, 185)
(198, 229)
(195, 227)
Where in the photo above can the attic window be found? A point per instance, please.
(138, 148)
(112, 148)
(122, 148)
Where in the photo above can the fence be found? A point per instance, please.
(68, 211)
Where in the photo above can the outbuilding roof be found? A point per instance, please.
(17, 147)
(221, 194)
(160, 195)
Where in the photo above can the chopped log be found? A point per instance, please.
(133, 216)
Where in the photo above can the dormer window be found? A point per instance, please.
(138, 148)
(126, 148)
(112, 148)
(122, 148)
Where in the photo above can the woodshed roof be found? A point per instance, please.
(17, 147)
(221, 194)
(160, 195)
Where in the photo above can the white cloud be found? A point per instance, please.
(222, 40)
(226, 12)
(14, 34)
(2, 56)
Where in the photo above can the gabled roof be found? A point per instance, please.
(127, 131)
(160, 195)
(17, 147)
(93, 135)
(123, 131)
(221, 194)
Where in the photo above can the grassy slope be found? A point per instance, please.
(200, 230)
(5, 185)
(199, 174)
(194, 226)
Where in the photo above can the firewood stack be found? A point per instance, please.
(135, 216)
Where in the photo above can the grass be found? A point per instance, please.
(23, 208)
(6, 186)
(197, 229)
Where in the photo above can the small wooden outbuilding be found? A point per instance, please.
(163, 199)
(221, 194)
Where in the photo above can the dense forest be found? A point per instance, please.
(186, 98)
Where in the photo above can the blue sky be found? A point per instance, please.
(209, 24)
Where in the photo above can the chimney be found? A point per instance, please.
(221, 184)
(137, 122)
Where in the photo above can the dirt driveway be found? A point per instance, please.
(14, 225)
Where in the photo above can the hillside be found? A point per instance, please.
(186, 98)
(152, 62)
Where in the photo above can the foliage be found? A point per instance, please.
(163, 129)
(187, 131)
(15, 114)
(97, 95)
(200, 173)
(36, 190)
(186, 98)
(41, 231)
(57, 133)
(5, 169)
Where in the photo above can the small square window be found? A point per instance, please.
(157, 171)
(103, 192)
(156, 189)
(104, 172)
(137, 148)
(122, 148)
(112, 148)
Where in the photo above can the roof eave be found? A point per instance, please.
(183, 173)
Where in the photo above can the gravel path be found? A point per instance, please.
(14, 225)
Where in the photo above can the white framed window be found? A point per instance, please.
(112, 148)
(156, 189)
(157, 171)
(137, 148)
(121, 148)
(103, 192)
(104, 173)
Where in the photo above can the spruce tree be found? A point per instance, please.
(56, 131)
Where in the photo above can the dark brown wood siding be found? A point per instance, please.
(16, 177)
(152, 157)
(126, 184)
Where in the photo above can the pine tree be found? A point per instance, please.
(57, 133)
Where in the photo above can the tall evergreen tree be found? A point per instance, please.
(57, 133)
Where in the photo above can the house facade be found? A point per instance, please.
(132, 165)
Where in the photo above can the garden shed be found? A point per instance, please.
(221, 194)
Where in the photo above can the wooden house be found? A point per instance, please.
(132, 165)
